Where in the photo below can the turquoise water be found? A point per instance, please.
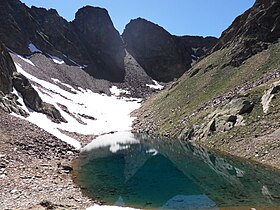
(144, 172)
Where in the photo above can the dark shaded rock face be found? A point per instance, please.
(17, 25)
(103, 43)
(162, 55)
(154, 49)
(252, 31)
(32, 99)
(6, 70)
(195, 46)
(90, 39)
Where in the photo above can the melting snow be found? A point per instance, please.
(156, 85)
(117, 92)
(26, 60)
(111, 113)
(56, 59)
(114, 141)
(33, 48)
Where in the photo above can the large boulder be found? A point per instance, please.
(269, 95)
(32, 99)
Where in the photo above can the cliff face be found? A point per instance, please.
(163, 56)
(251, 32)
(6, 70)
(102, 41)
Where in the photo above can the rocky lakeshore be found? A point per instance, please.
(35, 169)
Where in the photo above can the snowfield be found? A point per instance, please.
(90, 113)
(86, 112)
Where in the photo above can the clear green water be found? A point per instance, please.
(140, 171)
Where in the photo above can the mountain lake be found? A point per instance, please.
(140, 171)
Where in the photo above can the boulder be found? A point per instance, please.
(237, 106)
(186, 134)
(32, 99)
(269, 95)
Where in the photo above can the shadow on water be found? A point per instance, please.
(138, 170)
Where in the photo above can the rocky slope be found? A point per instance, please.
(252, 31)
(90, 40)
(163, 56)
(10, 79)
(229, 100)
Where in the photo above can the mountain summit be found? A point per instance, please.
(92, 41)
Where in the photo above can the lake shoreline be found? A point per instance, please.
(36, 169)
(115, 164)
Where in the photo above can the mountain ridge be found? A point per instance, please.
(90, 40)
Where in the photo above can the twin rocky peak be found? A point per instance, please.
(91, 40)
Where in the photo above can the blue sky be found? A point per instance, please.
(179, 17)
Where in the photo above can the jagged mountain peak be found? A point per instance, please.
(163, 56)
(92, 10)
(91, 41)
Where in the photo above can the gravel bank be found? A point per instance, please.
(35, 169)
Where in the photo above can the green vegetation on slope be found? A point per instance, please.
(194, 99)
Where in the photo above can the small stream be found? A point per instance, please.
(141, 171)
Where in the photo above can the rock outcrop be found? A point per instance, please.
(252, 31)
(223, 119)
(269, 95)
(32, 99)
(163, 56)
(6, 70)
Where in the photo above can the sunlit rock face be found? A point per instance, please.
(252, 31)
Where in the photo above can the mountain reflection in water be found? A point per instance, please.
(138, 170)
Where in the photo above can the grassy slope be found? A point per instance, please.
(172, 110)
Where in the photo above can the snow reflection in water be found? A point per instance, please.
(141, 171)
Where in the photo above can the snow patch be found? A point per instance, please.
(62, 83)
(117, 92)
(156, 85)
(33, 48)
(26, 60)
(115, 141)
(111, 113)
(57, 60)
